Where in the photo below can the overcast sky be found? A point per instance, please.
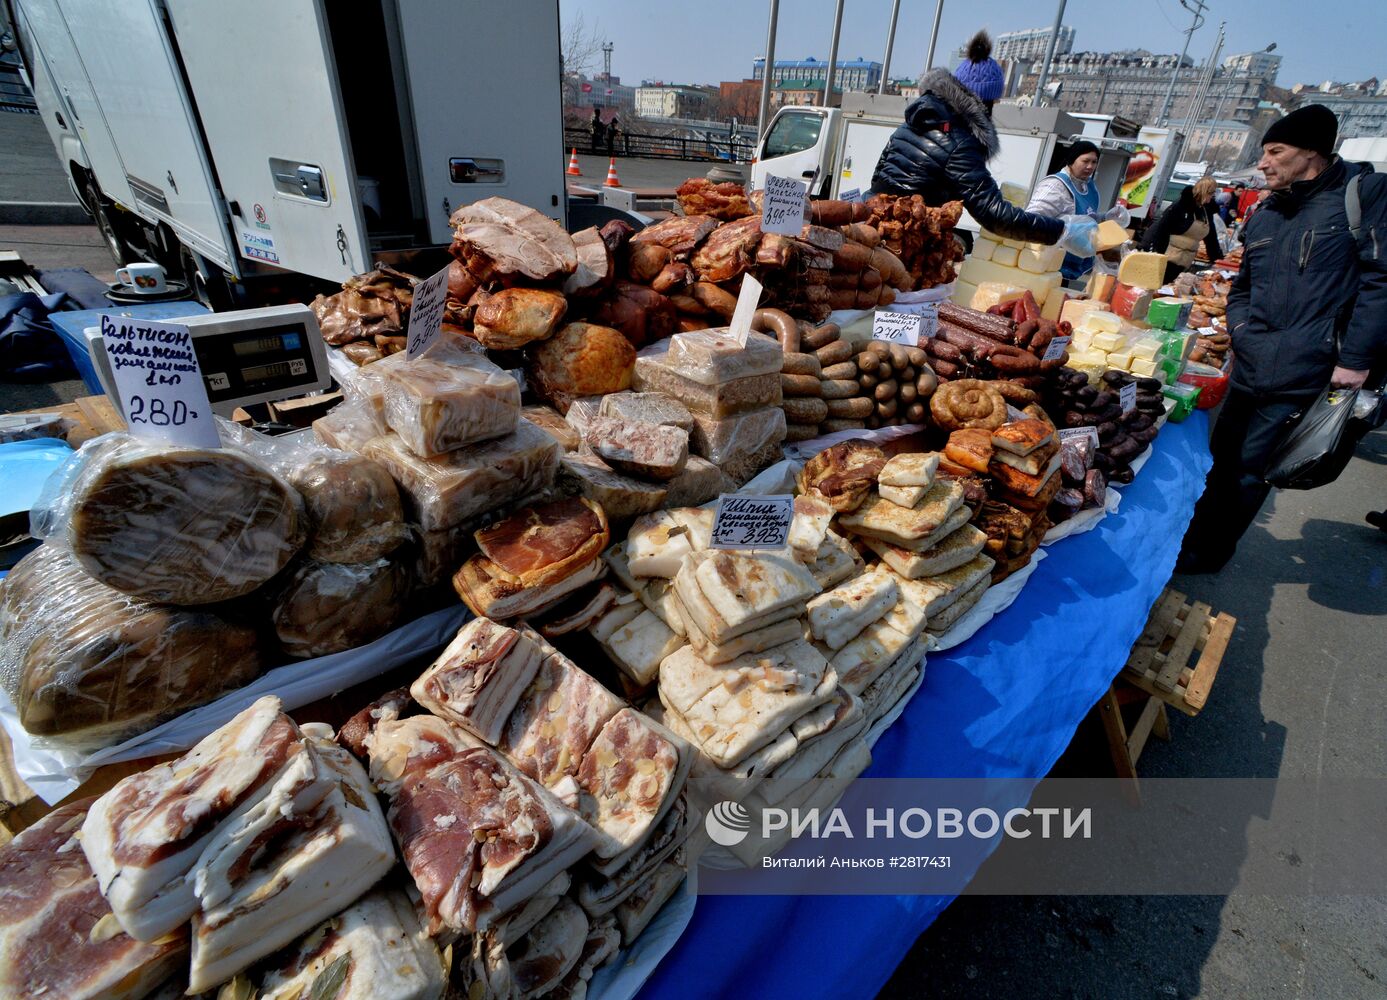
(711, 40)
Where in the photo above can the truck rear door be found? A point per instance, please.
(133, 73)
(486, 96)
(265, 87)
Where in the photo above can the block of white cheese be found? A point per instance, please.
(1040, 259)
(1121, 359)
(1005, 255)
(1109, 342)
(1097, 321)
(1143, 366)
(1143, 270)
(1082, 340)
(978, 271)
(983, 248)
(1076, 309)
(1146, 349)
(963, 293)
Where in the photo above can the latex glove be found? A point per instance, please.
(1077, 238)
(1347, 378)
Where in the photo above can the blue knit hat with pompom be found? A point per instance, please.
(980, 73)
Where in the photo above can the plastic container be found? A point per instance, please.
(1213, 387)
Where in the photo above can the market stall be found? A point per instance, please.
(640, 546)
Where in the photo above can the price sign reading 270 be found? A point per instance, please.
(751, 522)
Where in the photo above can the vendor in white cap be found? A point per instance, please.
(1071, 191)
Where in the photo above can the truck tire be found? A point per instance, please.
(119, 249)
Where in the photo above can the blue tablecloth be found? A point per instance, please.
(1005, 704)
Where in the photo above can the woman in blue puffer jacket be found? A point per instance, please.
(941, 154)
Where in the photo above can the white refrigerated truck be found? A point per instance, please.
(242, 143)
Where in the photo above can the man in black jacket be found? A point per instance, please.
(941, 153)
(1308, 309)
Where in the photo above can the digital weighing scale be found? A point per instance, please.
(247, 356)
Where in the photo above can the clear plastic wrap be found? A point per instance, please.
(86, 665)
(349, 425)
(712, 357)
(653, 373)
(438, 406)
(171, 524)
(353, 508)
(366, 385)
(444, 491)
(330, 607)
(726, 439)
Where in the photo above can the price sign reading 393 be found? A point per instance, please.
(752, 522)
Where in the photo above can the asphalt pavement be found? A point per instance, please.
(1302, 692)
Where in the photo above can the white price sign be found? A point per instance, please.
(783, 205)
(1078, 434)
(897, 327)
(1056, 348)
(747, 301)
(159, 381)
(750, 522)
(1127, 396)
(852, 194)
(426, 314)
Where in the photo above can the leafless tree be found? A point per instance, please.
(580, 47)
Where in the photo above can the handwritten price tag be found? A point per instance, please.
(1127, 396)
(1078, 434)
(782, 205)
(748, 522)
(159, 381)
(426, 314)
(852, 194)
(897, 327)
(1056, 348)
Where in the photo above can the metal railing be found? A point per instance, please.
(662, 147)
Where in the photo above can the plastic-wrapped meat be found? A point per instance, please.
(86, 665)
(58, 937)
(378, 945)
(327, 607)
(273, 872)
(353, 506)
(438, 406)
(172, 524)
(349, 425)
(445, 491)
(679, 234)
(478, 837)
(371, 303)
(148, 831)
(1095, 488)
(477, 681)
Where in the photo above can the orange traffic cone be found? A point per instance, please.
(611, 181)
(573, 167)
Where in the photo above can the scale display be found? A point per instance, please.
(238, 365)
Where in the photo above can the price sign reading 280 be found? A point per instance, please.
(159, 381)
(751, 522)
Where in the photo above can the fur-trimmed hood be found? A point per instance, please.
(943, 99)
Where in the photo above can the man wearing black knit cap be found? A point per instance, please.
(1308, 309)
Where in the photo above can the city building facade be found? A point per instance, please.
(1263, 64)
(581, 91)
(670, 100)
(1030, 44)
(852, 74)
(1360, 114)
(803, 92)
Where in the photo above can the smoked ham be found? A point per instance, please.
(544, 544)
(502, 241)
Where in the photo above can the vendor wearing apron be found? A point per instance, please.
(1183, 226)
(1070, 192)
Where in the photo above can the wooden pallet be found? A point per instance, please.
(1163, 662)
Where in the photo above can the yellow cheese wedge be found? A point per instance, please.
(983, 249)
(1101, 286)
(1005, 255)
(1143, 270)
(963, 293)
(992, 293)
(978, 271)
(1110, 235)
(1054, 302)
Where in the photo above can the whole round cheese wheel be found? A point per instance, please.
(181, 525)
